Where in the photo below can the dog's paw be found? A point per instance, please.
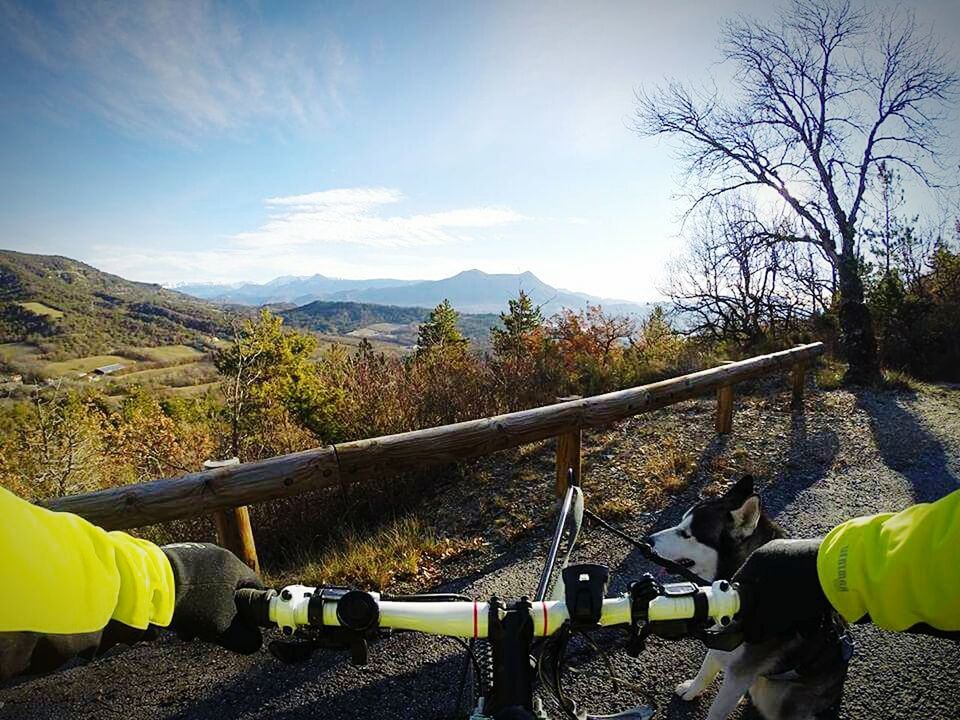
(689, 690)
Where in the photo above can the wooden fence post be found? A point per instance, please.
(234, 531)
(725, 409)
(568, 455)
(798, 375)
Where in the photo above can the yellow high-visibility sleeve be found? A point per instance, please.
(60, 574)
(903, 568)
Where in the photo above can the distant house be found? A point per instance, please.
(108, 369)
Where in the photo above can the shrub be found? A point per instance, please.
(918, 321)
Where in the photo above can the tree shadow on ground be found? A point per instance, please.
(907, 446)
(808, 461)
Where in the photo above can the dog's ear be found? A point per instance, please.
(738, 493)
(746, 517)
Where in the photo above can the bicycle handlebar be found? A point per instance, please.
(302, 606)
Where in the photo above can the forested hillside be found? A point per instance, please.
(340, 318)
(69, 308)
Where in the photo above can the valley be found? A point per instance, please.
(66, 323)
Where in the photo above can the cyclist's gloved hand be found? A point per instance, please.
(205, 579)
(780, 590)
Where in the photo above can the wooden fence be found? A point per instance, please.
(225, 491)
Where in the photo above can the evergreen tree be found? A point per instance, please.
(521, 319)
(441, 331)
(267, 368)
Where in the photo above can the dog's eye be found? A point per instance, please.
(684, 534)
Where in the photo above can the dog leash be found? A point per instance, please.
(647, 551)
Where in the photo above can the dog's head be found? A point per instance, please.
(710, 527)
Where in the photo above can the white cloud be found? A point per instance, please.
(179, 68)
(354, 216)
(359, 197)
(343, 232)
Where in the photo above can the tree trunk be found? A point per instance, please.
(857, 341)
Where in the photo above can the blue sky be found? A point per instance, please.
(194, 141)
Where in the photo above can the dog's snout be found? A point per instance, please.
(649, 540)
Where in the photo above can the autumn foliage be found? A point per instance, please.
(279, 393)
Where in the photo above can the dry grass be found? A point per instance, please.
(614, 509)
(408, 551)
(15, 353)
(666, 469)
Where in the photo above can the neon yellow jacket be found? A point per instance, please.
(59, 574)
(902, 568)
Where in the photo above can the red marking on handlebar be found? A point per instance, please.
(476, 624)
(544, 606)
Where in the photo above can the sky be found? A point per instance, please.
(200, 141)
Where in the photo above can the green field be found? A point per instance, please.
(86, 364)
(24, 356)
(175, 376)
(170, 353)
(40, 309)
(184, 369)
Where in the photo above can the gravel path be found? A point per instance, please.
(846, 455)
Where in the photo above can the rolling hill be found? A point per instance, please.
(69, 308)
(56, 308)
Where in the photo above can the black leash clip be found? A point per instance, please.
(642, 592)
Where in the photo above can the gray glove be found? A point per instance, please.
(205, 578)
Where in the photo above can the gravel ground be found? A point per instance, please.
(845, 455)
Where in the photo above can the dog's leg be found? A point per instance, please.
(690, 689)
(734, 687)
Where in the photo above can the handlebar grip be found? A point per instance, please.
(253, 606)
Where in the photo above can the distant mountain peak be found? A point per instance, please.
(284, 279)
(469, 291)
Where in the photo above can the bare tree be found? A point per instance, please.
(826, 94)
(61, 444)
(240, 364)
(739, 280)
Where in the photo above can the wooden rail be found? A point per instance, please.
(222, 488)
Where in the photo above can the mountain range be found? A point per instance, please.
(65, 308)
(287, 289)
(470, 291)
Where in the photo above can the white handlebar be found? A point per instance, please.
(290, 610)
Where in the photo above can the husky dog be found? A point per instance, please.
(798, 677)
